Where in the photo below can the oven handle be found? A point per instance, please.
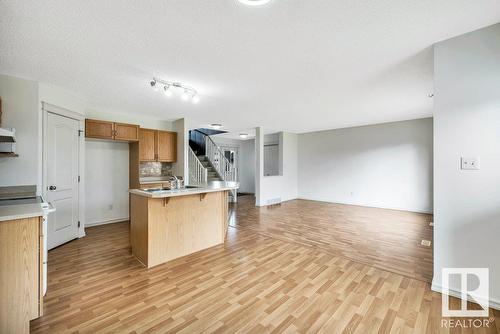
(51, 208)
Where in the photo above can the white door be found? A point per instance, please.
(62, 178)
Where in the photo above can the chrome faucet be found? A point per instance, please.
(175, 180)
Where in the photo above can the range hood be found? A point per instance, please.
(7, 135)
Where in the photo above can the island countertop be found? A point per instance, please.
(208, 188)
(168, 224)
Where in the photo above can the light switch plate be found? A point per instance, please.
(470, 163)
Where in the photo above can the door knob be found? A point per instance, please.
(52, 188)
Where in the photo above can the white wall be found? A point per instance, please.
(144, 122)
(107, 183)
(247, 166)
(180, 168)
(387, 165)
(61, 97)
(246, 163)
(284, 187)
(20, 111)
(467, 124)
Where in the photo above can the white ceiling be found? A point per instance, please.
(294, 65)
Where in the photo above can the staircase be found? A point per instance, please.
(212, 174)
(207, 162)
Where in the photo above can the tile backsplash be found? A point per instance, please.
(155, 169)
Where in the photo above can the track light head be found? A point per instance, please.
(185, 95)
(196, 99)
(167, 91)
(154, 85)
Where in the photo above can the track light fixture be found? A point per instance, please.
(170, 87)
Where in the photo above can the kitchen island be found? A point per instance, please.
(167, 224)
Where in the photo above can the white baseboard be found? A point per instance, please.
(365, 205)
(494, 303)
(104, 222)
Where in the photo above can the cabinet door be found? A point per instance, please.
(147, 145)
(127, 132)
(151, 185)
(167, 146)
(19, 263)
(98, 129)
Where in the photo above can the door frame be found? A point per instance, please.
(50, 108)
(235, 148)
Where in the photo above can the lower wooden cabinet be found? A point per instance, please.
(21, 274)
(151, 185)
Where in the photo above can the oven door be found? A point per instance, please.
(47, 208)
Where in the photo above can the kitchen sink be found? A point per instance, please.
(154, 190)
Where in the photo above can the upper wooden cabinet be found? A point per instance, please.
(128, 132)
(147, 145)
(157, 145)
(166, 146)
(99, 129)
(111, 130)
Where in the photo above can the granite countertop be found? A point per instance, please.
(21, 211)
(211, 187)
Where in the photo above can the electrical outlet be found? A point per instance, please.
(470, 163)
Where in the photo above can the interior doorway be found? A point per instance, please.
(231, 154)
(61, 175)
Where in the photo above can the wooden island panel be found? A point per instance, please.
(21, 285)
(163, 229)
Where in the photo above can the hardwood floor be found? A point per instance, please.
(386, 239)
(254, 283)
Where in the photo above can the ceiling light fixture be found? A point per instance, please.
(244, 135)
(254, 2)
(216, 126)
(167, 91)
(169, 87)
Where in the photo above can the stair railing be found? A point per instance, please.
(224, 168)
(197, 173)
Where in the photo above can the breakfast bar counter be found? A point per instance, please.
(168, 224)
